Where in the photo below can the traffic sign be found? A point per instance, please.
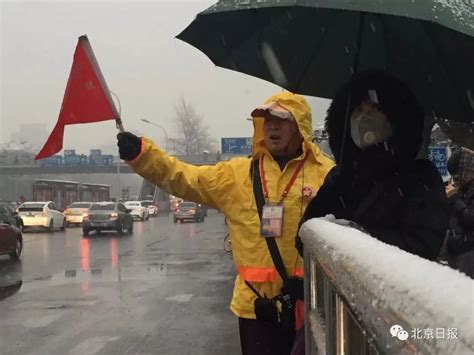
(236, 145)
(101, 160)
(438, 155)
(54, 160)
(73, 160)
(96, 152)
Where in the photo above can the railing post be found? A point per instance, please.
(310, 301)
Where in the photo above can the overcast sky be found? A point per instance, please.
(141, 60)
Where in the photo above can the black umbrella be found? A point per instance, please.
(312, 47)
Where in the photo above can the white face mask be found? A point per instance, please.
(368, 130)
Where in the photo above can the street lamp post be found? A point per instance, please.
(166, 145)
(118, 159)
(159, 126)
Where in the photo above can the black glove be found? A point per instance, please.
(129, 145)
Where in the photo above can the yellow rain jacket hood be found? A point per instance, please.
(228, 187)
(301, 112)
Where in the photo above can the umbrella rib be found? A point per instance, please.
(257, 32)
(360, 30)
(385, 40)
(355, 68)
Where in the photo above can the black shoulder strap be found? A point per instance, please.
(260, 200)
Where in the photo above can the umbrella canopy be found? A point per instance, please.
(461, 134)
(313, 47)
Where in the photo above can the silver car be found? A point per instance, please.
(75, 212)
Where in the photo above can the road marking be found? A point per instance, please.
(182, 297)
(41, 321)
(92, 345)
(58, 304)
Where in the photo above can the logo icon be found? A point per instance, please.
(398, 331)
(307, 192)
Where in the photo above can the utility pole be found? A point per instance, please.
(118, 196)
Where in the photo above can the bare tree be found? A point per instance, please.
(191, 133)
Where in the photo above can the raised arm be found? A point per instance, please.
(209, 184)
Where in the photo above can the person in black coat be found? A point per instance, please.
(460, 240)
(375, 127)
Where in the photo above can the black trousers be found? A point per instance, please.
(261, 338)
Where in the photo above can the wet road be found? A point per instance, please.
(164, 290)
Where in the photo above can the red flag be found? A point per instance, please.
(86, 99)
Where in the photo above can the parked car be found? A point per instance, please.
(152, 208)
(137, 209)
(107, 216)
(189, 211)
(41, 214)
(11, 240)
(8, 209)
(75, 212)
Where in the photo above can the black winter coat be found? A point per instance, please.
(408, 208)
(408, 205)
(461, 222)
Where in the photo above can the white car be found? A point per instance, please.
(152, 208)
(75, 212)
(137, 210)
(41, 214)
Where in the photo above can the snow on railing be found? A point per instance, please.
(370, 297)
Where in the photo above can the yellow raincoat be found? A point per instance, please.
(227, 186)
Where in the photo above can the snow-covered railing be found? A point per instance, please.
(366, 297)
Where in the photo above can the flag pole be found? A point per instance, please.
(118, 160)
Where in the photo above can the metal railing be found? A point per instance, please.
(354, 306)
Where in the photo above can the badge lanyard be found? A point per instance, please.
(271, 224)
(288, 186)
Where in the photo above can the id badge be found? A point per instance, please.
(272, 221)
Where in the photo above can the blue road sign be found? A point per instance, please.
(54, 160)
(236, 145)
(439, 157)
(73, 160)
(107, 159)
(101, 160)
(69, 152)
(83, 159)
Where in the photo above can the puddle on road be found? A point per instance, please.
(146, 273)
(112, 273)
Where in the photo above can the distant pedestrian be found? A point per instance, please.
(460, 239)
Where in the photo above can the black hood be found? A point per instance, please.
(396, 101)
